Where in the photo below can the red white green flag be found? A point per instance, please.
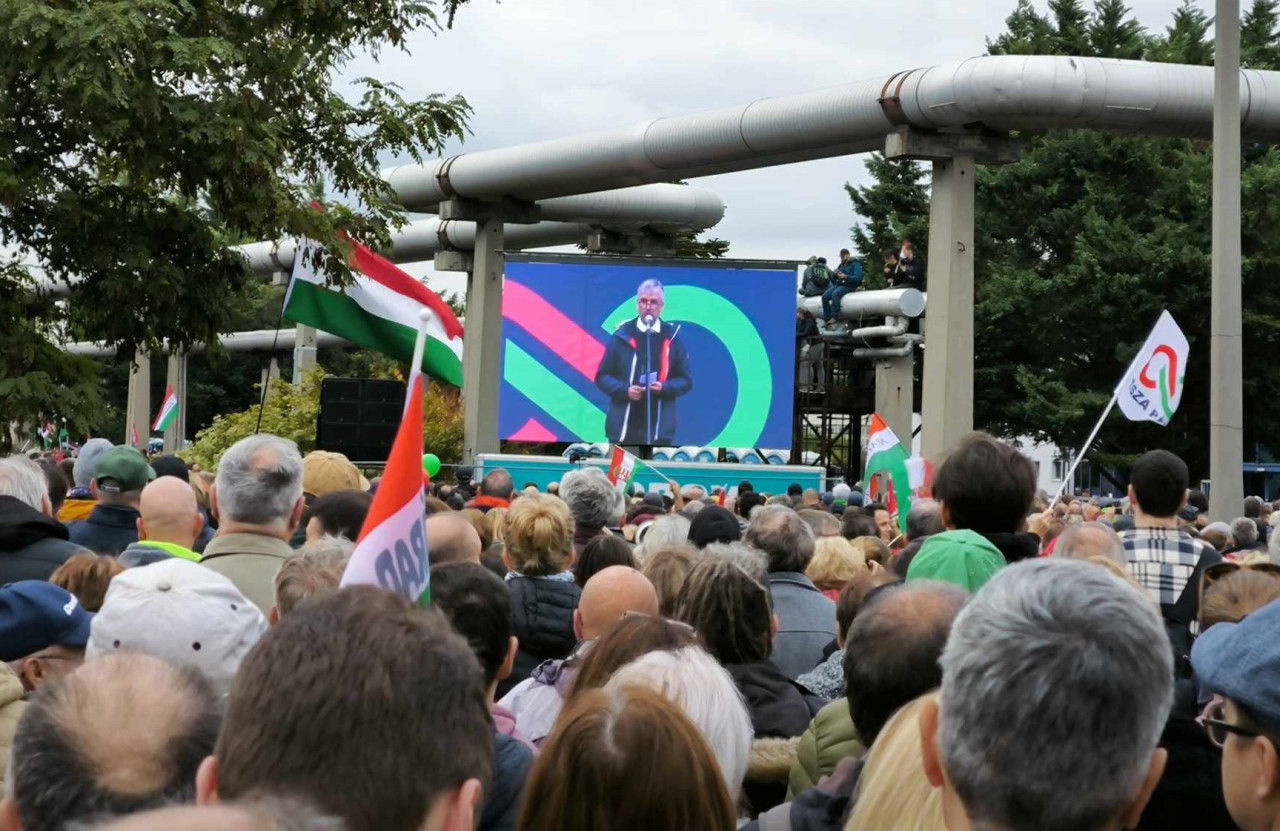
(887, 475)
(621, 468)
(392, 549)
(379, 311)
(168, 412)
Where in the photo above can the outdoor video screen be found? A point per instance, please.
(648, 353)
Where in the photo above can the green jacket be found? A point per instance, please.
(829, 739)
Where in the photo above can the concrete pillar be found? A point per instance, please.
(304, 352)
(895, 395)
(1226, 351)
(138, 411)
(947, 409)
(482, 343)
(176, 380)
(273, 369)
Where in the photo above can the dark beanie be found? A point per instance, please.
(714, 524)
(170, 466)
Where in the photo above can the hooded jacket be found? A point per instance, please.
(963, 558)
(512, 762)
(630, 355)
(32, 545)
(542, 614)
(11, 709)
(829, 738)
(780, 711)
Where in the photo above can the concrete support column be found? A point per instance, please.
(1226, 350)
(482, 343)
(176, 379)
(947, 410)
(304, 352)
(138, 411)
(895, 395)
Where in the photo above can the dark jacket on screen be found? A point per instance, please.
(629, 355)
(542, 612)
(512, 762)
(32, 545)
(110, 529)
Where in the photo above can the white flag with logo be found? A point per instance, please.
(1152, 388)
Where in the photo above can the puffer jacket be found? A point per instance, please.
(829, 739)
(32, 545)
(512, 762)
(11, 708)
(542, 612)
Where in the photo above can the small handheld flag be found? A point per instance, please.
(887, 460)
(168, 412)
(137, 442)
(621, 468)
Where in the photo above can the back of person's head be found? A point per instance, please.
(924, 519)
(822, 523)
(365, 704)
(452, 538)
(1158, 483)
(892, 650)
(86, 464)
(784, 538)
(667, 569)
(893, 791)
(707, 694)
(316, 569)
(626, 758)
(665, 532)
(1056, 683)
(539, 536)
(497, 484)
(835, 562)
(338, 514)
(475, 517)
(121, 734)
(1218, 535)
(1252, 507)
(629, 638)
(746, 557)
(731, 611)
(985, 485)
(1090, 541)
(610, 594)
(169, 512)
(872, 548)
(714, 524)
(261, 813)
(478, 605)
(23, 480)
(601, 552)
(259, 482)
(495, 522)
(87, 576)
(592, 498)
(1230, 592)
(856, 523)
(746, 501)
(1244, 532)
(56, 483)
(841, 492)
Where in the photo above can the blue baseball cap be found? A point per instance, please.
(35, 615)
(1242, 662)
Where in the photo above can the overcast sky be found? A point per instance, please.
(540, 69)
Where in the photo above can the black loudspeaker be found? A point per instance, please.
(359, 417)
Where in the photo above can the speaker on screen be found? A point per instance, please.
(359, 417)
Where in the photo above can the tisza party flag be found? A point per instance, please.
(392, 549)
(168, 412)
(621, 468)
(887, 460)
(1152, 388)
(379, 311)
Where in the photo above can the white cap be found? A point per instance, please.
(181, 612)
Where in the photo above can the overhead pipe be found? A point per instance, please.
(885, 351)
(879, 303)
(259, 340)
(993, 92)
(893, 327)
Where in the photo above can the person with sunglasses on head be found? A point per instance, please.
(1240, 664)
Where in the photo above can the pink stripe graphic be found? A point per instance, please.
(533, 431)
(547, 324)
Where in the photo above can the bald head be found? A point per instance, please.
(1090, 540)
(608, 595)
(259, 815)
(167, 512)
(123, 733)
(452, 539)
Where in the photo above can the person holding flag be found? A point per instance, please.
(888, 475)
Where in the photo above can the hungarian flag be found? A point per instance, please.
(621, 468)
(133, 428)
(392, 549)
(1152, 388)
(887, 476)
(168, 412)
(379, 311)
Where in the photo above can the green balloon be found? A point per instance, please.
(431, 464)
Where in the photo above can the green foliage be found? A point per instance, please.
(289, 412)
(142, 137)
(1187, 40)
(688, 245)
(1029, 33)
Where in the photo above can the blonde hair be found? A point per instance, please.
(539, 535)
(893, 791)
(872, 548)
(835, 562)
(495, 522)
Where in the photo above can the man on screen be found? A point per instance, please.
(645, 369)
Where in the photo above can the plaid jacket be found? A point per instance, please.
(1163, 560)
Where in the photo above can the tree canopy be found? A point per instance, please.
(1081, 244)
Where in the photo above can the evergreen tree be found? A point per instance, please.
(895, 207)
(1029, 33)
(1115, 33)
(1258, 47)
(1188, 40)
(1071, 28)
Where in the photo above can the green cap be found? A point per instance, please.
(122, 469)
(963, 558)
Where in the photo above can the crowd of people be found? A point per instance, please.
(175, 652)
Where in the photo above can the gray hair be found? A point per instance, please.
(691, 509)
(259, 480)
(316, 568)
(841, 492)
(751, 560)
(670, 531)
(23, 479)
(783, 536)
(1056, 683)
(652, 285)
(1244, 532)
(924, 519)
(1091, 539)
(592, 498)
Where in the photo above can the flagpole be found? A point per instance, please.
(1085, 449)
(419, 349)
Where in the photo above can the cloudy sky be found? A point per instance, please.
(540, 69)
